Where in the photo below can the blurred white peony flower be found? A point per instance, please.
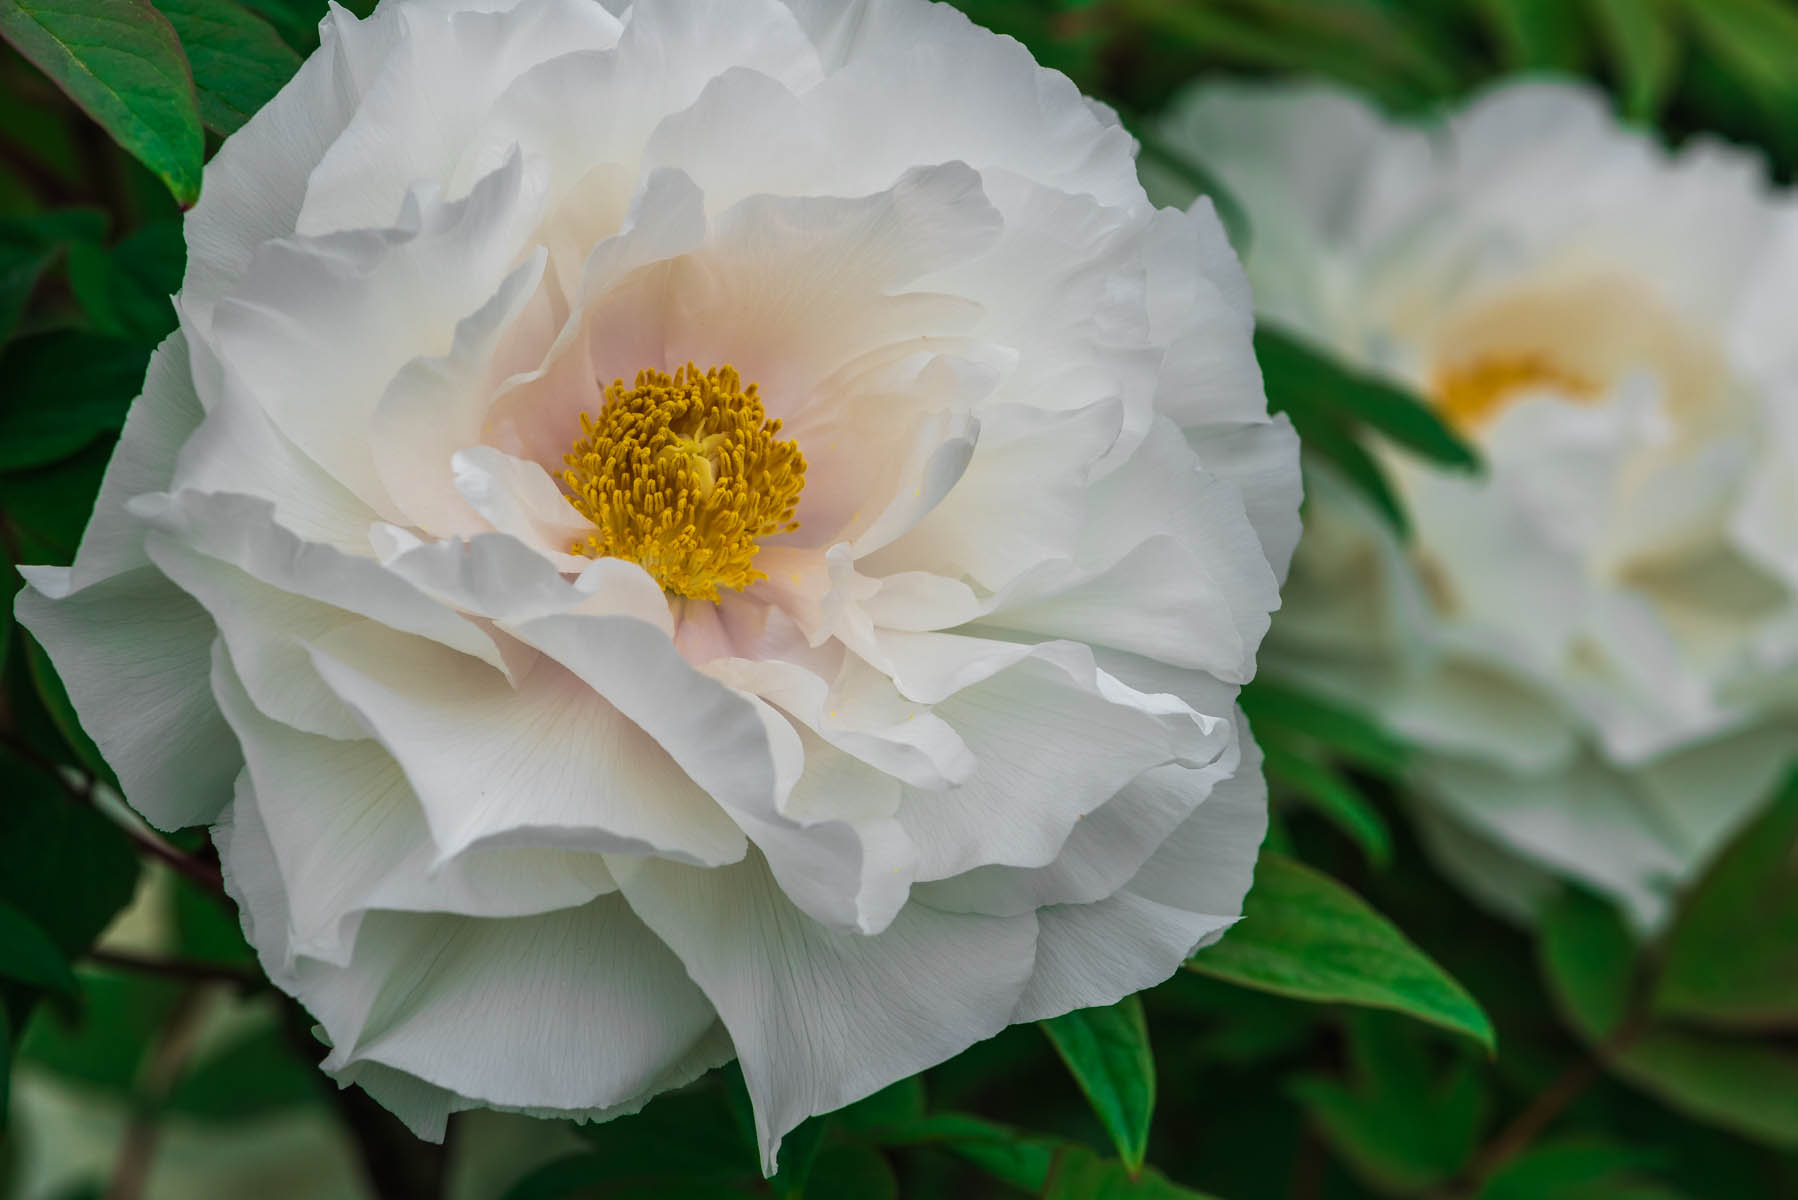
(726, 528)
(1592, 642)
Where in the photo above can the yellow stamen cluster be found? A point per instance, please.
(1470, 393)
(684, 474)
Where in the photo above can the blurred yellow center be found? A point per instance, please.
(684, 474)
(1475, 390)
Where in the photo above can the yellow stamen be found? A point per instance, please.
(684, 474)
(1470, 393)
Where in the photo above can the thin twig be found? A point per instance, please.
(192, 970)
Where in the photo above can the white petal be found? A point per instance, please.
(135, 653)
(582, 1008)
(548, 763)
(349, 836)
(1184, 897)
(822, 1018)
(1054, 738)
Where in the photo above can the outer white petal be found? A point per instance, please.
(1054, 738)
(822, 1018)
(547, 762)
(135, 653)
(349, 837)
(1184, 897)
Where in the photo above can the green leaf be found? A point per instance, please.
(1579, 1168)
(107, 1045)
(595, 1177)
(1079, 1174)
(1334, 798)
(1404, 1125)
(1275, 709)
(694, 1128)
(248, 1077)
(1643, 46)
(1589, 958)
(63, 390)
(1324, 434)
(1537, 34)
(1732, 951)
(28, 955)
(891, 1105)
(125, 289)
(1107, 1050)
(122, 63)
(20, 269)
(1590, 962)
(1756, 39)
(1298, 374)
(239, 61)
(48, 506)
(63, 865)
(1747, 1086)
(851, 1172)
(1019, 1159)
(1303, 934)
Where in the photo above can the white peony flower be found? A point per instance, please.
(729, 528)
(1592, 640)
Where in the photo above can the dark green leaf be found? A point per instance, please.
(207, 928)
(5, 1061)
(1537, 34)
(1404, 1125)
(1325, 435)
(28, 955)
(48, 507)
(1016, 1158)
(1747, 1086)
(64, 390)
(20, 269)
(694, 1128)
(121, 62)
(1107, 1050)
(105, 1047)
(64, 865)
(1303, 934)
(851, 1172)
(1334, 798)
(1756, 39)
(1643, 46)
(893, 1105)
(239, 61)
(125, 289)
(249, 1077)
(1589, 958)
(798, 1150)
(1276, 710)
(1732, 951)
(1574, 1169)
(1079, 1174)
(595, 1177)
(1297, 374)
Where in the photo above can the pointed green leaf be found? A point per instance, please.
(63, 390)
(1280, 709)
(1107, 1050)
(1079, 1174)
(239, 61)
(1299, 374)
(29, 955)
(1303, 934)
(122, 63)
(1016, 1158)
(1643, 46)
(1589, 958)
(1332, 797)
(1537, 34)
(1732, 951)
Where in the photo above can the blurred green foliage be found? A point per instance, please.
(1364, 1031)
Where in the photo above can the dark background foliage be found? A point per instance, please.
(1319, 1052)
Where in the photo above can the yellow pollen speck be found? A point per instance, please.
(684, 474)
(1470, 393)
